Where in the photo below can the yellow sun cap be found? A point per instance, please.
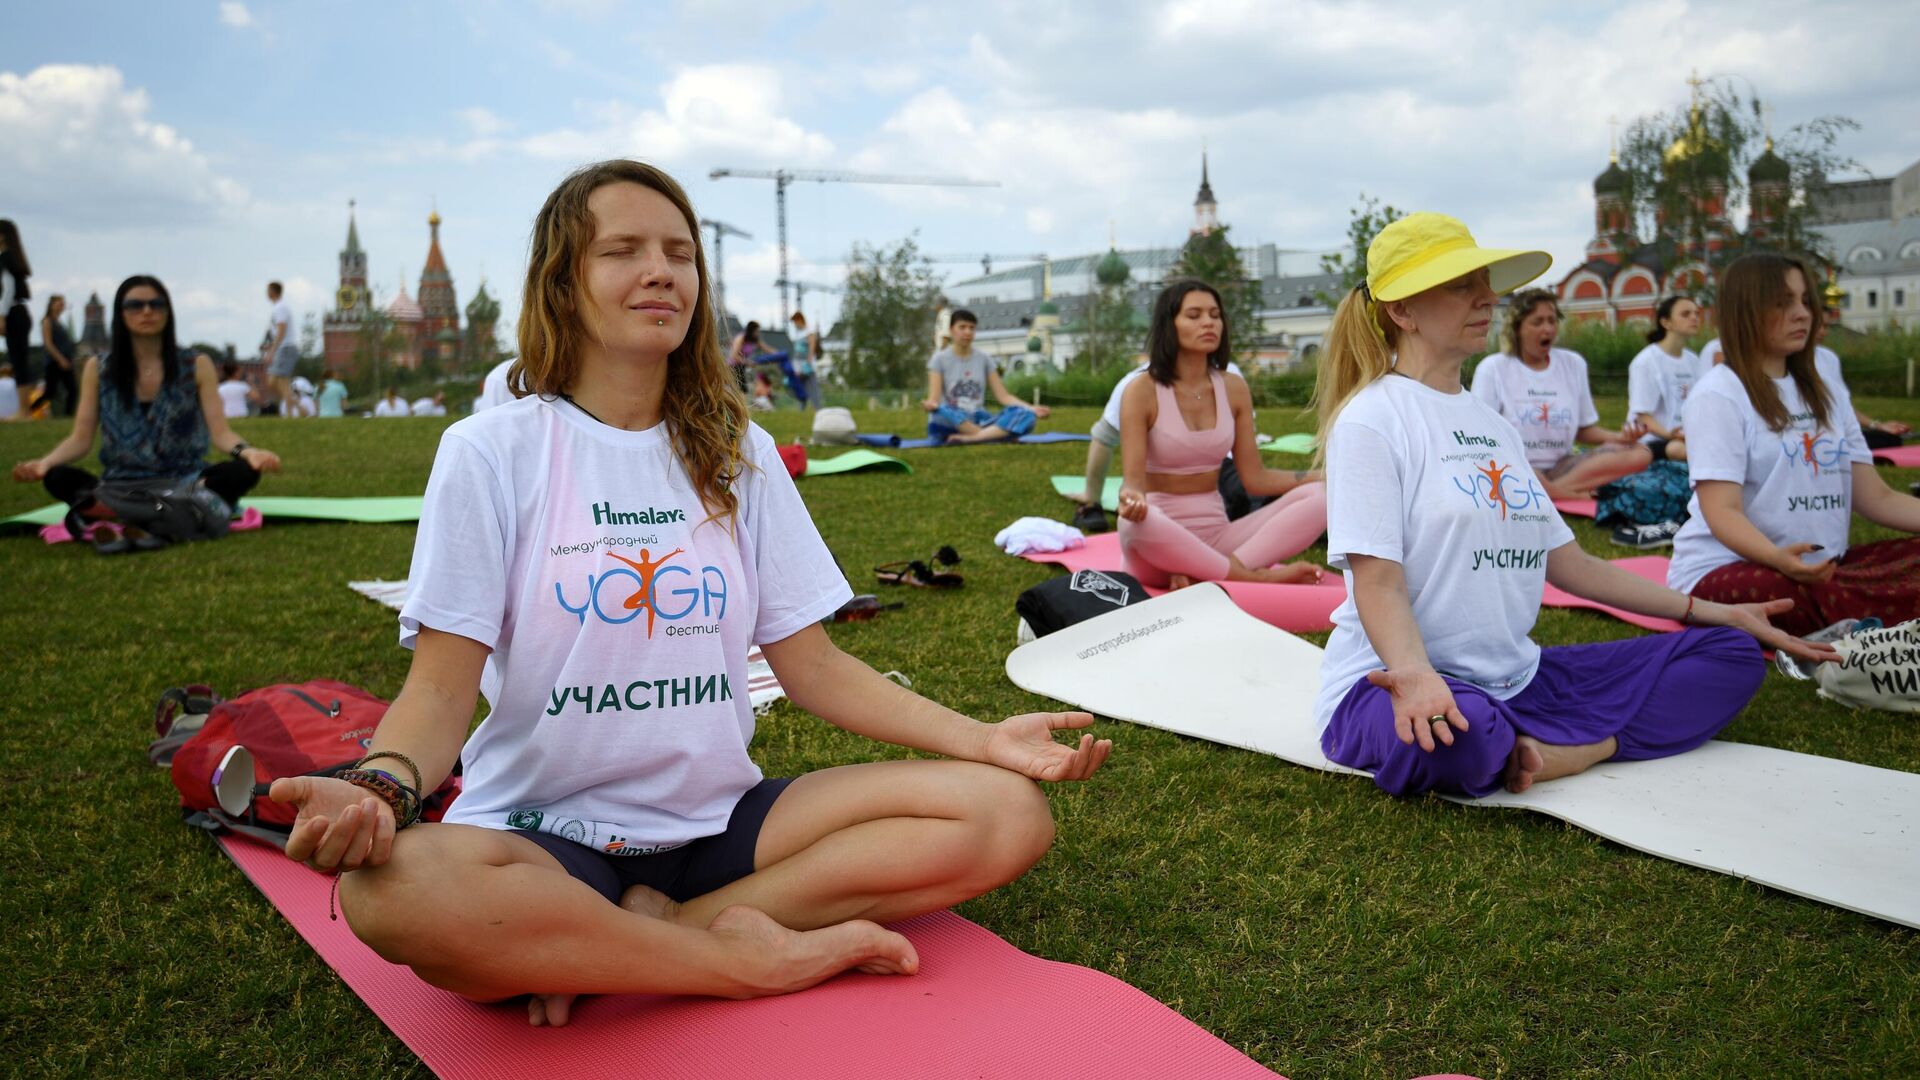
(1423, 250)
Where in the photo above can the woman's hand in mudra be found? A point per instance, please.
(339, 826)
(1025, 744)
(1132, 505)
(260, 460)
(1423, 707)
(30, 472)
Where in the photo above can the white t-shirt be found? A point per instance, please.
(390, 407)
(493, 388)
(9, 395)
(1710, 353)
(1439, 484)
(304, 405)
(1659, 384)
(302, 385)
(426, 407)
(233, 397)
(1796, 484)
(1111, 414)
(619, 622)
(282, 315)
(1548, 407)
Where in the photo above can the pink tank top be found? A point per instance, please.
(1172, 448)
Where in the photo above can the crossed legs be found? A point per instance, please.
(490, 915)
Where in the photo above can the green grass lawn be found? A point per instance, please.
(1306, 918)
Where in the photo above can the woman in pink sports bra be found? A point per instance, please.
(1176, 425)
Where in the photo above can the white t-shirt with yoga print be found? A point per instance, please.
(1659, 384)
(1548, 407)
(1439, 484)
(619, 621)
(1796, 484)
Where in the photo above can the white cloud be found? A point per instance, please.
(483, 122)
(82, 150)
(234, 13)
(730, 110)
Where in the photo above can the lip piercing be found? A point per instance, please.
(660, 322)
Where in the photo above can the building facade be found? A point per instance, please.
(407, 331)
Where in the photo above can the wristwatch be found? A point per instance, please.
(238, 449)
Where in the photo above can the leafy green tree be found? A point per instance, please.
(1677, 163)
(1364, 222)
(891, 296)
(1113, 334)
(1211, 257)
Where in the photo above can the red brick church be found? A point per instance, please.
(416, 329)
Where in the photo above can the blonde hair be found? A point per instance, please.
(1358, 351)
(705, 414)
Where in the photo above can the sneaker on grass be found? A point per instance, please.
(1646, 536)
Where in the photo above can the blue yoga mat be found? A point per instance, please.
(896, 442)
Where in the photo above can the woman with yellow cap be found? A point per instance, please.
(1447, 538)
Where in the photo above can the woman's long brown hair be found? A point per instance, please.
(705, 414)
(1752, 289)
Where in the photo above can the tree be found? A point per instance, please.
(1364, 222)
(1212, 258)
(1113, 333)
(1685, 170)
(310, 337)
(891, 296)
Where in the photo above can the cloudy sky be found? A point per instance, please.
(216, 143)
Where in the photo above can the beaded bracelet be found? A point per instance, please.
(401, 799)
(399, 757)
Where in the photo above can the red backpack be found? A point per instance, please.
(315, 728)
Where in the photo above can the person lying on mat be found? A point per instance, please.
(1779, 466)
(1447, 539)
(1662, 376)
(597, 557)
(958, 380)
(1176, 426)
(1543, 392)
(156, 409)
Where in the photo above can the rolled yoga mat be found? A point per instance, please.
(369, 509)
(978, 1007)
(853, 460)
(1833, 831)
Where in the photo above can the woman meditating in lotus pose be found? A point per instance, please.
(1447, 539)
(1177, 424)
(1779, 465)
(597, 557)
(1543, 392)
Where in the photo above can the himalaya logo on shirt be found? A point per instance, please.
(605, 514)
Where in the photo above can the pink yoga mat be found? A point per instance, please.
(1293, 608)
(1585, 508)
(978, 1008)
(57, 533)
(1906, 457)
(1651, 567)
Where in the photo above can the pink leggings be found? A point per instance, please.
(1190, 534)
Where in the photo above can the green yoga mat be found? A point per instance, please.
(854, 460)
(1071, 486)
(373, 509)
(1297, 443)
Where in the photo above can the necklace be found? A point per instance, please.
(583, 408)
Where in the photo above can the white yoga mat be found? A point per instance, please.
(1833, 831)
(763, 686)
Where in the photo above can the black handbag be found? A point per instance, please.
(1062, 601)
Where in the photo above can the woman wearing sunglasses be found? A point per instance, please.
(156, 411)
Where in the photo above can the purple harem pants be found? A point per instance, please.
(1659, 695)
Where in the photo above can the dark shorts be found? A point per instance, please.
(1659, 448)
(683, 873)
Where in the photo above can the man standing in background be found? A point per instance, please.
(281, 352)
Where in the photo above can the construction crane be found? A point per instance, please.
(782, 177)
(801, 288)
(987, 261)
(721, 230)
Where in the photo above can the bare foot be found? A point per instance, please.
(553, 1010)
(1302, 573)
(1524, 763)
(1178, 581)
(1275, 575)
(789, 960)
(1533, 761)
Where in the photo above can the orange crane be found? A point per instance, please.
(782, 177)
